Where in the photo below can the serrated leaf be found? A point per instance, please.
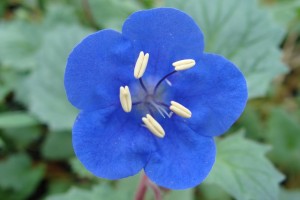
(72, 194)
(16, 120)
(111, 14)
(242, 32)
(18, 179)
(101, 191)
(123, 190)
(47, 95)
(242, 169)
(58, 146)
(283, 133)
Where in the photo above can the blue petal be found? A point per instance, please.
(96, 69)
(110, 143)
(183, 158)
(167, 34)
(215, 91)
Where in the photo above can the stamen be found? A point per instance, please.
(161, 80)
(158, 109)
(125, 98)
(184, 64)
(153, 126)
(141, 65)
(180, 110)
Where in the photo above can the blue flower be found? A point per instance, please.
(151, 99)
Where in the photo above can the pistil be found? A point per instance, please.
(150, 98)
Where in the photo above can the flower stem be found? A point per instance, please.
(156, 190)
(143, 186)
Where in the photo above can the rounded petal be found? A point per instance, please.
(96, 69)
(111, 143)
(215, 91)
(167, 34)
(183, 158)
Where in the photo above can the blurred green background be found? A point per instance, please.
(259, 158)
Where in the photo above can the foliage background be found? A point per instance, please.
(259, 158)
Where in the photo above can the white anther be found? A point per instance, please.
(180, 110)
(153, 126)
(125, 99)
(140, 65)
(184, 64)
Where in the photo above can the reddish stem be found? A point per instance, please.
(143, 186)
(156, 190)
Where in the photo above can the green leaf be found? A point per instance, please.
(2, 144)
(213, 192)
(58, 14)
(6, 85)
(58, 146)
(249, 117)
(18, 179)
(47, 96)
(242, 169)
(242, 32)
(286, 13)
(73, 194)
(111, 14)
(79, 169)
(19, 41)
(16, 120)
(101, 191)
(59, 185)
(125, 189)
(283, 133)
(179, 195)
(3, 4)
(289, 194)
(22, 136)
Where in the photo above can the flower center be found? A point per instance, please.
(151, 101)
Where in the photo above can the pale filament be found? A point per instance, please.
(184, 64)
(180, 110)
(153, 126)
(141, 65)
(125, 98)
